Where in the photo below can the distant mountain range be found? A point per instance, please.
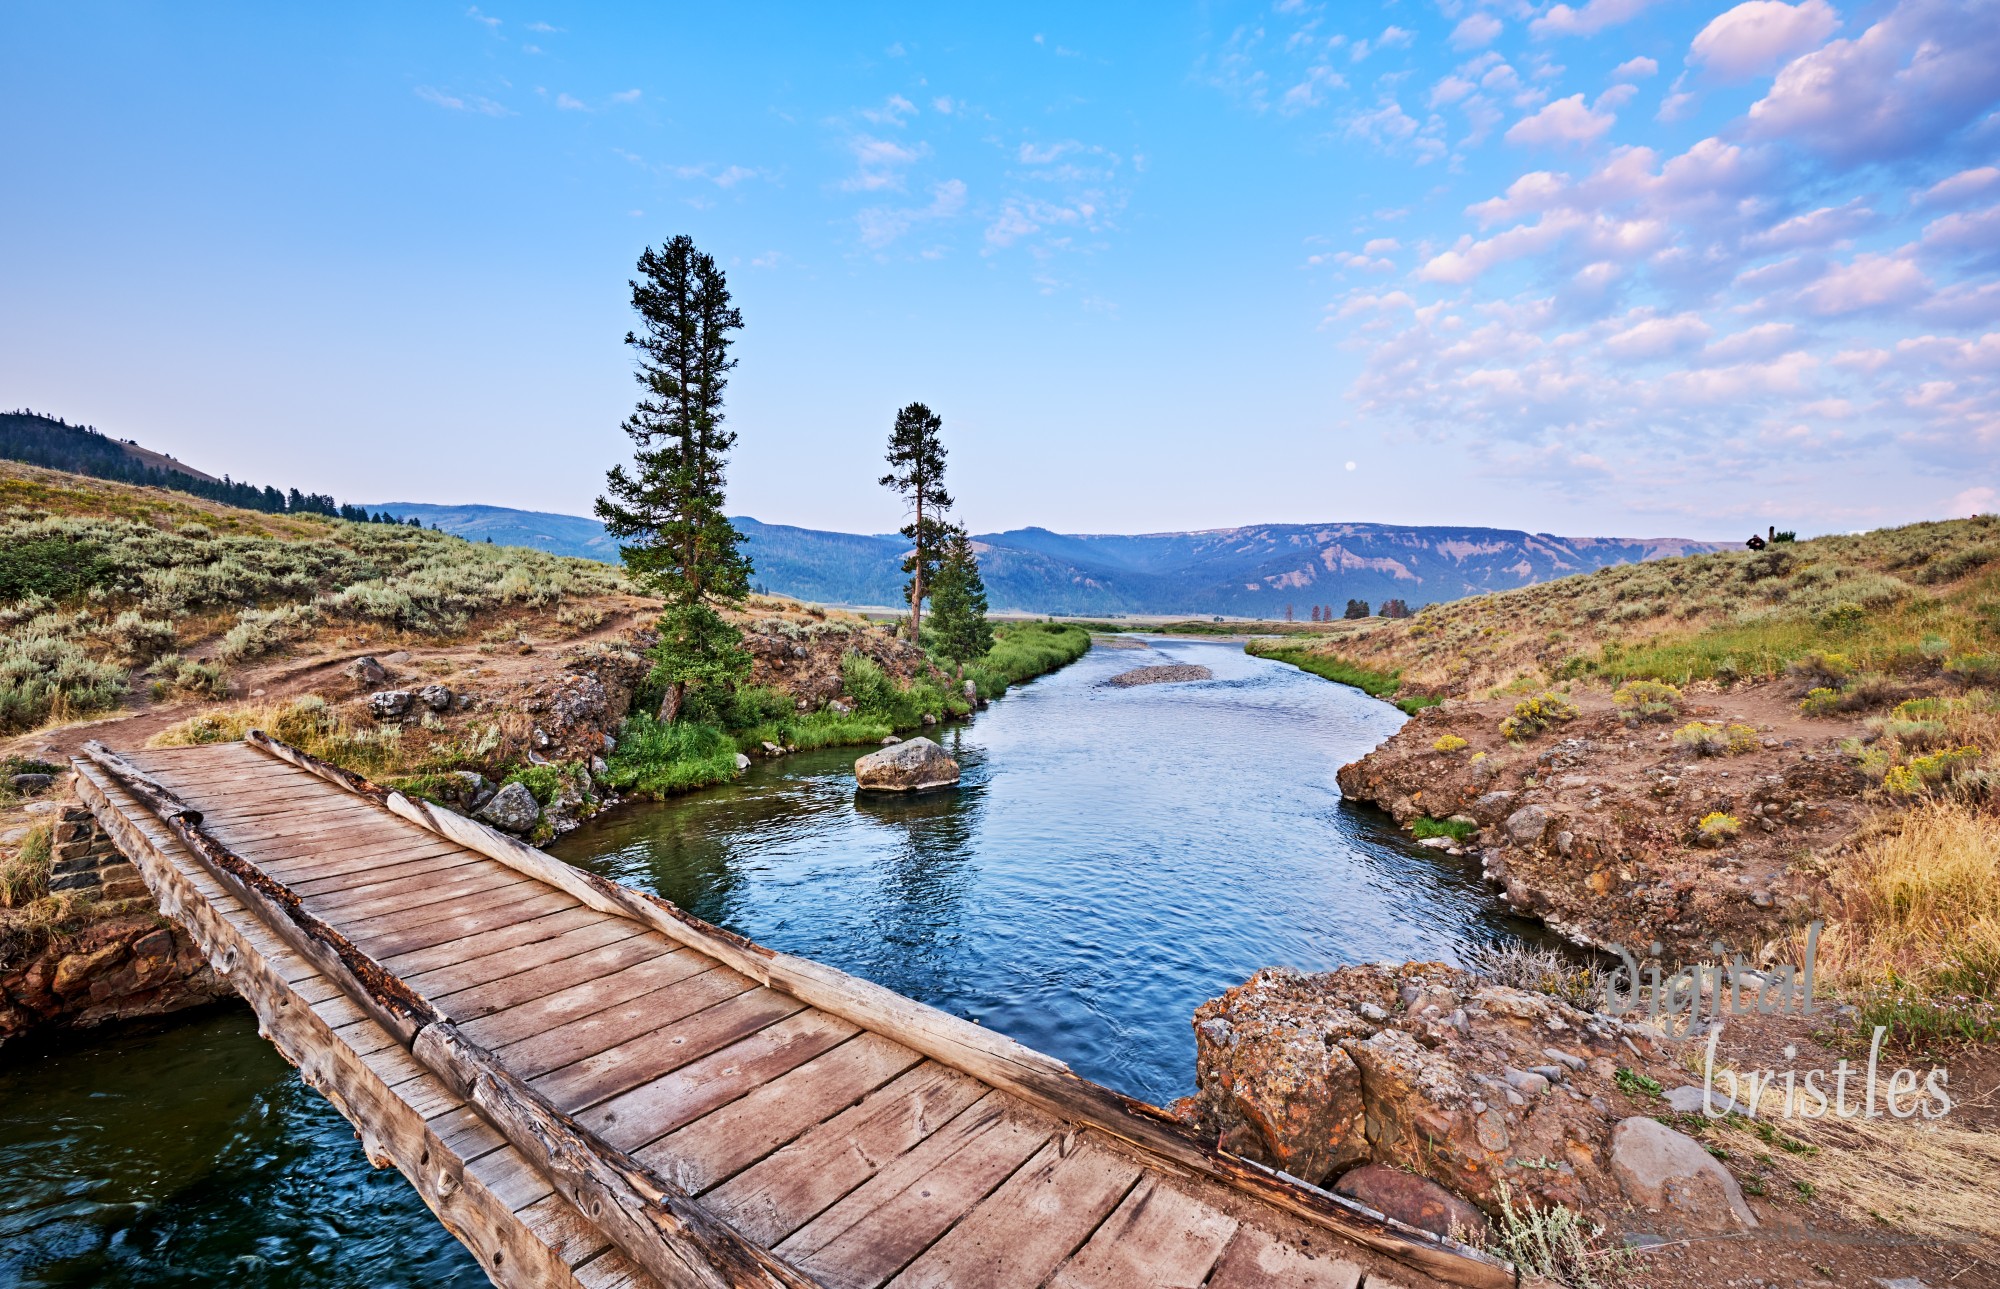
(1256, 571)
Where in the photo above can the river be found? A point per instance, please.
(1113, 857)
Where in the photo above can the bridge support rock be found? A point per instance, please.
(114, 957)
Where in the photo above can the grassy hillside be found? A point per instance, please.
(1877, 653)
(1900, 601)
(103, 585)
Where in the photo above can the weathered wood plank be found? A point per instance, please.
(641, 1116)
(388, 940)
(502, 980)
(411, 963)
(319, 886)
(1256, 1259)
(779, 1194)
(1160, 1235)
(571, 1020)
(890, 1219)
(1024, 1230)
(586, 1082)
(723, 1143)
(408, 894)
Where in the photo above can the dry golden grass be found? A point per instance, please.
(1919, 902)
(1925, 1177)
(310, 724)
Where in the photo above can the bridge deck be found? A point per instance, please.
(851, 1156)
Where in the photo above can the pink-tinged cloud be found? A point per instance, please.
(1816, 228)
(1754, 37)
(1532, 193)
(1897, 90)
(1561, 20)
(1760, 341)
(1565, 121)
(1471, 258)
(1658, 337)
(1967, 232)
(1966, 185)
(1476, 31)
(1633, 69)
(1864, 284)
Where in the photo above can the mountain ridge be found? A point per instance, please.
(1247, 570)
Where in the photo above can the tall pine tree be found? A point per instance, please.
(916, 470)
(958, 602)
(667, 512)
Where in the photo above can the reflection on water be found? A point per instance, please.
(185, 1152)
(1112, 858)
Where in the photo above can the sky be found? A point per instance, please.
(1614, 267)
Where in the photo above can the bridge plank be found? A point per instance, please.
(1159, 1236)
(499, 981)
(575, 1015)
(652, 1110)
(538, 1053)
(781, 1192)
(724, 1142)
(494, 969)
(890, 1219)
(410, 892)
(1023, 1230)
(315, 863)
(450, 928)
(1257, 1259)
(381, 918)
(380, 874)
(432, 957)
(583, 1083)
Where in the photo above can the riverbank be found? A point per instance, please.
(1639, 758)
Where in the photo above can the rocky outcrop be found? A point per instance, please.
(126, 961)
(1422, 1067)
(1592, 828)
(915, 765)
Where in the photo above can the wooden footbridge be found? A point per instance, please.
(589, 1087)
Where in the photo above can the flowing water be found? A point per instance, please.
(1113, 857)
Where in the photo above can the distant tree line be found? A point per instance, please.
(53, 443)
(1355, 609)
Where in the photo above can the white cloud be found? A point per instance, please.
(1901, 87)
(879, 163)
(474, 14)
(1866, 283)
(1450, 89)
(567, 104)
(1564, 121)
(1561, 20)
(1382, 246)
(1532, 193)
(1963, 186)
(627, 96)
(1819, 227)
(1980, 500)
(1760, 341)
(1754, 37)
(1392, 37)
(1615, 97)
(1633, 69)
(544, 28)
(1476, 31)
(944, 105)
(1972, 231)
(457, 103)
(891, 112)
(1656, 337)
(879, 226)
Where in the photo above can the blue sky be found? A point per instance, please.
(1638, 267)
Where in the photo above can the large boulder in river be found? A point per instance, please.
(912, 766)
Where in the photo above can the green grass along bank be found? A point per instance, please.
(656, 760)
